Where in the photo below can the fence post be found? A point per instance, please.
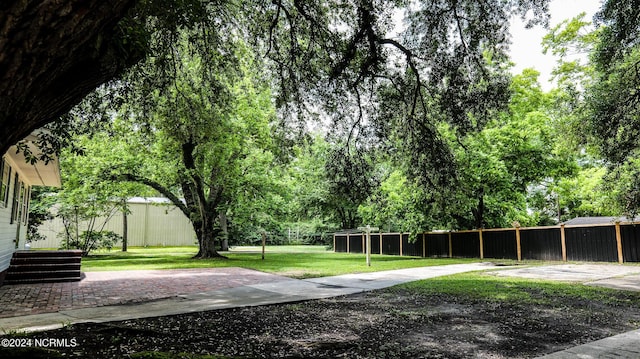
(450, 246)
(367, 243)
(563, 242)
(401, 244)
(424, 246)
(348, 251)
(481, 243)
(364, 244)
(518, 243)
(380, 242)
(619, 243)
(334, 243)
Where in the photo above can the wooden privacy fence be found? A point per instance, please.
(598, 243)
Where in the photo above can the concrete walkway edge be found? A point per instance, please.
(622, 346)
(284, 291)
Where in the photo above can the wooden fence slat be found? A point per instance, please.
(518, 244)
(619, 243)
(348, 240)
(563, 242)
(481, 243)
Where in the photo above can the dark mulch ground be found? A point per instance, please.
(392, 323)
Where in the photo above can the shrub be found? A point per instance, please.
(89, 241)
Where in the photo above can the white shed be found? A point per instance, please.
(153, 221)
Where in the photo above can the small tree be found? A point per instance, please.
(92, 240)
(39, 211)
(87, 202)
(84, 225)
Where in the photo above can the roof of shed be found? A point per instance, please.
(599, 220)
(152, 200)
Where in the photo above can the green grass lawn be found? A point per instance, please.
(487, 287)
(293, 261)
(281, 249)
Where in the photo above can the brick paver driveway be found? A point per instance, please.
(122, 287)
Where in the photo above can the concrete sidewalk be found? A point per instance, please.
(613, 276)
(622, 346)
(272, 291)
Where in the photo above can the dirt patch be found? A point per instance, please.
(391, 323)
(299, 274)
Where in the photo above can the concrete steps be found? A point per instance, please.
(44, 267)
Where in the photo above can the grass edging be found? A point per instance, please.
(485, 286)
(298, 264)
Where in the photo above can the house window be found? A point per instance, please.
(5, 173)
(26, 198)
(17, 193)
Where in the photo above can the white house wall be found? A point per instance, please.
(7, 234)
(8, 230)
(149, 224)
(38, 174)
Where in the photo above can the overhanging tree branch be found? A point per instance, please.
(157, 186)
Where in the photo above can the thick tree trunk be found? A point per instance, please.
(204, 207)
(207, 246)
(206, 238)
(225, 232)
(201, 219)
(52, 54)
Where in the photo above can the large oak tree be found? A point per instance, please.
(54, 53)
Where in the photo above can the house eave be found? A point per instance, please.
(40, 173)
